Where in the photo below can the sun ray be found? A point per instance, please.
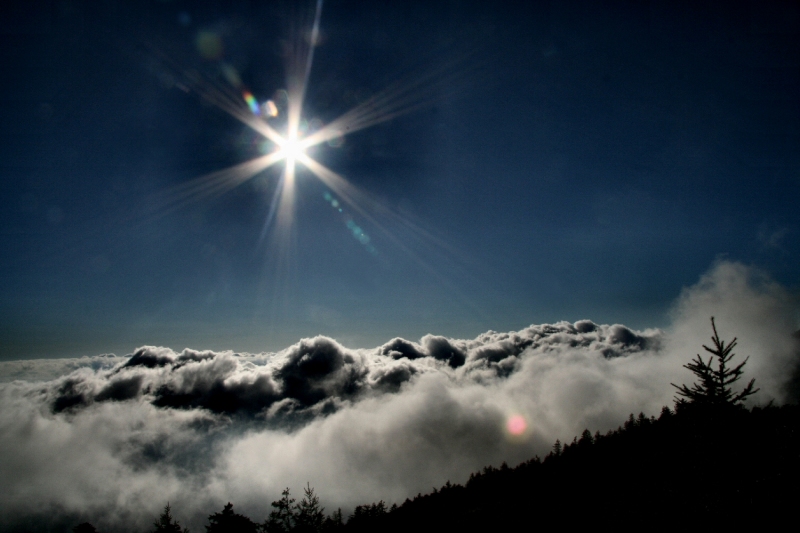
(231, 103)
(376, 212)
(213, 184)
(277, 234)
(433, 254)
(226, 98)
(396, 100)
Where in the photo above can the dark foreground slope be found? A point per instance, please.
(726, 467)
(722, 467)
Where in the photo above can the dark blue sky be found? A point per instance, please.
(573, 160)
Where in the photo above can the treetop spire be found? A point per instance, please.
(714, 385)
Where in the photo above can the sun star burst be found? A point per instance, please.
(291, 149)
(282, 128)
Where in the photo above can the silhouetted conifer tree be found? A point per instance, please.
(365, 514)
(630, 423)
(165, 523)
(282, 518)
(334, 522)
(309, 515)
(229, 522)
(714, 389)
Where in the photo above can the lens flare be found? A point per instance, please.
(287, 137)
(358, 233)
(209, 45)
(269, 109)
(251, 102)
(516, 425)
(231, 74)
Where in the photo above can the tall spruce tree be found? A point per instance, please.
(714, 385)
(309, 516)
(166, 524)
(283, 517)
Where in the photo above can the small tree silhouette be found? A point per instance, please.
(282, 519)
(309, 515)
(165, 523)
(334, 522)
(713, 388)
(229, 522)
(366, 514)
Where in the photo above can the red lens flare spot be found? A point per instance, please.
(516, 425)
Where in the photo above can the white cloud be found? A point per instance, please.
(113, 439)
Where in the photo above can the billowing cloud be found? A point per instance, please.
(111, 440)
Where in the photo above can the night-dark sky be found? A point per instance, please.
(568, 160)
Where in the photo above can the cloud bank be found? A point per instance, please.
(111, 440)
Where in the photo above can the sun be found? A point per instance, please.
(291, 145)
(292, 149)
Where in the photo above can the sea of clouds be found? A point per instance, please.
(112, 439)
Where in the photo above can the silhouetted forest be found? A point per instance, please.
(707, 461)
